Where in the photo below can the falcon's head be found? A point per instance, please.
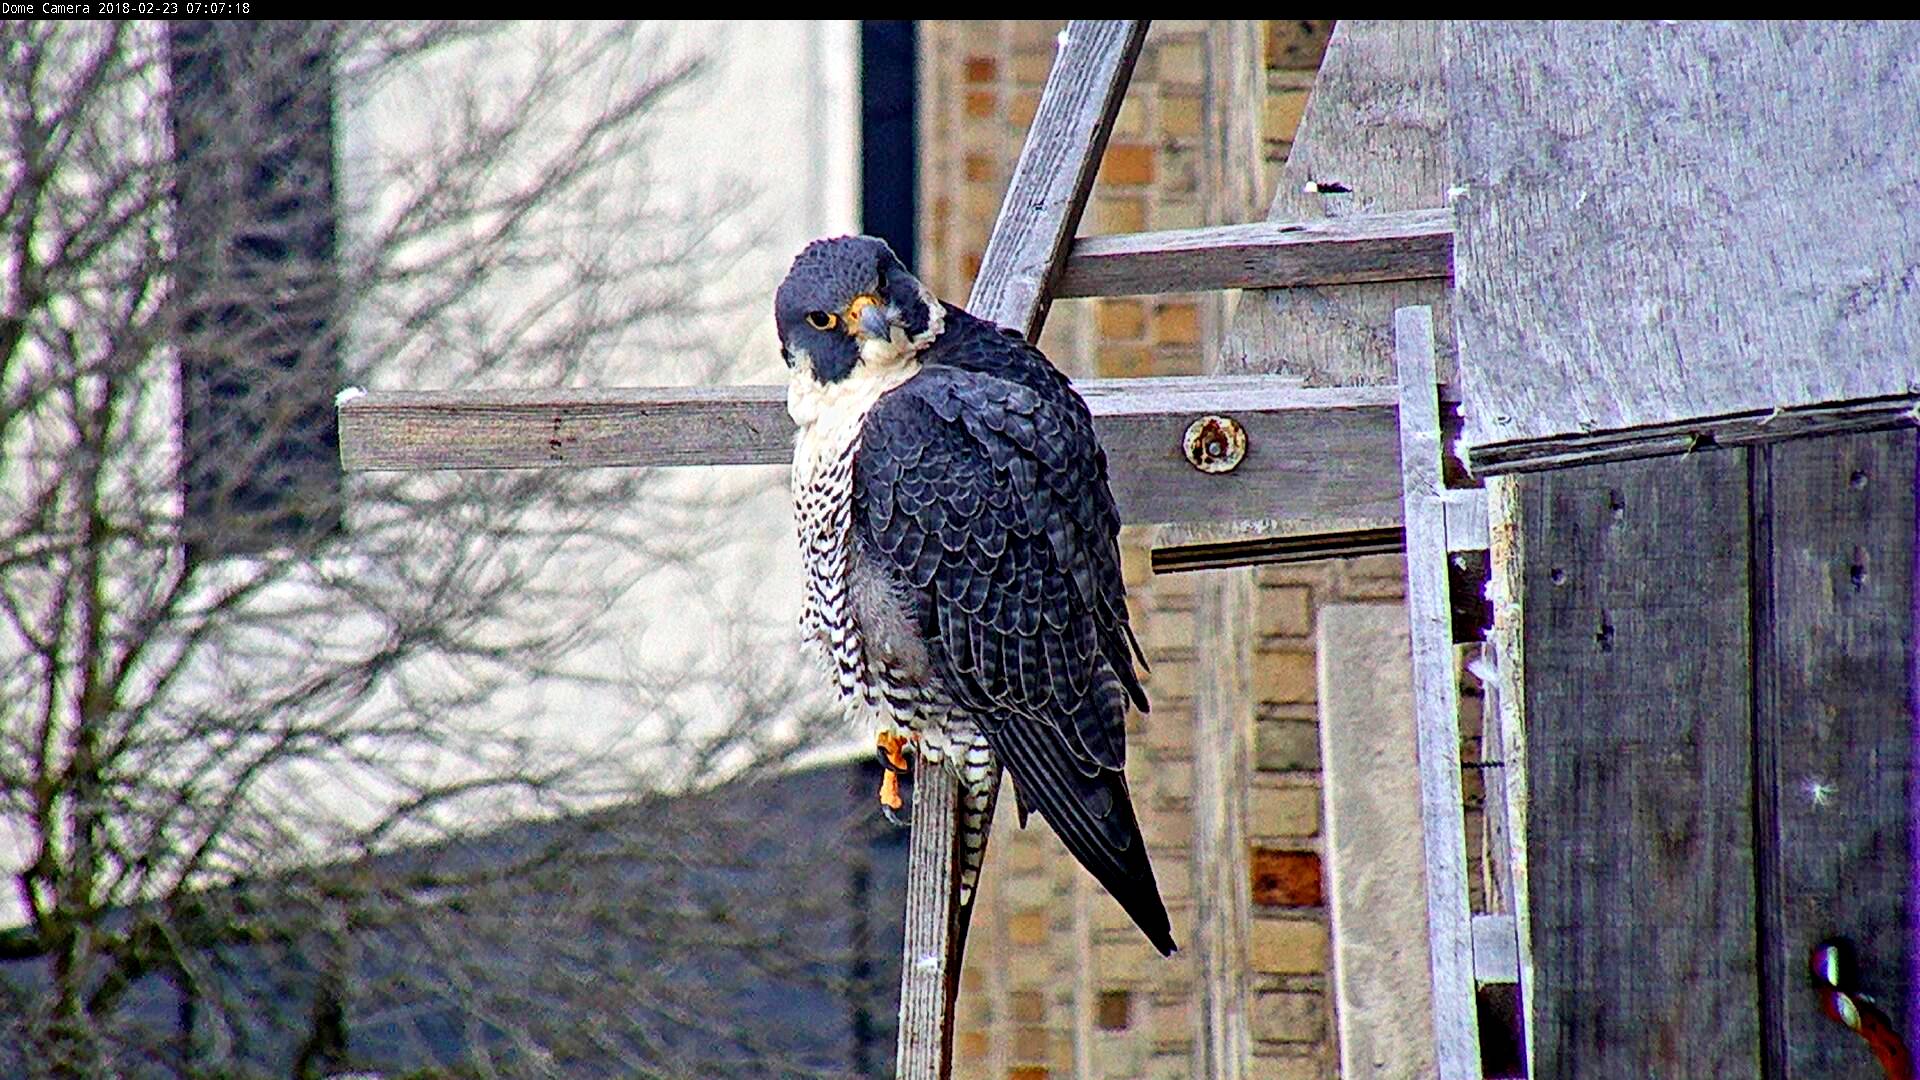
(848, 302)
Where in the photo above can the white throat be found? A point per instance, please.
(829, 414)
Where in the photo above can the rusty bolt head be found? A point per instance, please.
(1215, 444)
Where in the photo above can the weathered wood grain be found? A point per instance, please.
(1834, 589)
(1436, 704)
(1494, 957)
(1698, 433)
(1505, 722)
(1405, 246)
(1659, 221)
(1319, 456)
(1376, 126)
(1030, 238)
(1231, 165)
(1050, 182)
(1638, 812)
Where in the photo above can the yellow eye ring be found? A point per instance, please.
(822, 320)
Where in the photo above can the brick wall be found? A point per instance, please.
(1057, 981)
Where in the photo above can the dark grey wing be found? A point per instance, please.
(974, 490)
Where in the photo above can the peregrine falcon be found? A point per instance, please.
(962, 557)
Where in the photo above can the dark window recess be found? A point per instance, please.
(889, 142)
(255, 283)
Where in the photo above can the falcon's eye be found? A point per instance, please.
(822, 320)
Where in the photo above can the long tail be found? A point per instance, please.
(1093, 817)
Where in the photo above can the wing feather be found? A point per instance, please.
(980, 482)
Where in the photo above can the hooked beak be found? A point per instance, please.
(868, 316)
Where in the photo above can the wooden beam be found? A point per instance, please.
(1324, 455)
(1696, 433)
(1054, 175)
(1029, 244)
(1436, 703)
(1232, 168)
(1404, 246)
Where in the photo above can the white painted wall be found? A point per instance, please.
(777, 115)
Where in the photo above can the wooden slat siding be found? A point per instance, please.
(1687, 436)
(1436, 703)
(1371, 839)
(1833, 566)
(1408, 246)
(1050, 183)
(1658, 221)
(1639, 778)
(1219, 863)
(1030, 238)
(1323, 456)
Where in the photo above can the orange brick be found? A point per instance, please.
(1125, 361)
(979, 104)
(1172, 214)
(1027, 1072)
(981, 69)
(1286, 611)
(1122, 318)
(1288, 947)
(1030, 66)
(1120, 215)
(1028, 928)
(1021, 108)
(1030, 1044)
(1286, 878)
(1181, 62)
(979, 168)
(1177, 324)
(1289, 811)
(1284, 111)
(1297, 1018)
(1181, 116)
(1297, 43)
(970, 1045)
(1029, 1007)
(1127, 164)
(1285, 677)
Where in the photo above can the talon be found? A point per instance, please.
(890, 748)
(892, 818)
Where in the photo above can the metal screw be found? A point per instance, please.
(1215, 444)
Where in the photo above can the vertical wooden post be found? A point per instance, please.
(1223, 633)
(1029, 245)
(1436, 702)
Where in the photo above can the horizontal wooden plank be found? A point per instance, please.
(1683, 437)
(1404, 246)
(1648, 227)
(1326, 454)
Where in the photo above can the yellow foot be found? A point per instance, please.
(891, 748)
